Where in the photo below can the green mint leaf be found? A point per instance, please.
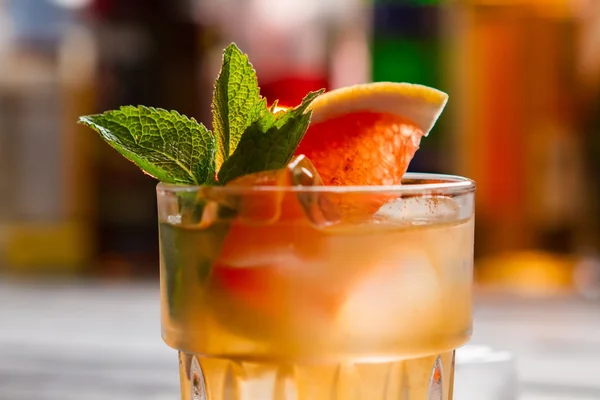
(269, 142)
(236, 104)
(165, 144)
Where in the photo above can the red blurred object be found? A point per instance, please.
(290, 90)
(102, 7)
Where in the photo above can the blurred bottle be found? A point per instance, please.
(588, 269)
(350, 53)
(516, 132)
(407, 45)
(46, 57)
(589, 94)
(150, 53)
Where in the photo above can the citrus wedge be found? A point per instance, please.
(367, 134)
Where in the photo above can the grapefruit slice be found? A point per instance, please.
(367, 134)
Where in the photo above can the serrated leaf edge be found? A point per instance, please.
(87, 121)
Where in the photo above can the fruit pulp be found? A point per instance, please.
(295, 311)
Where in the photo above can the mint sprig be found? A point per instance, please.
(248, 136)
(165, 144)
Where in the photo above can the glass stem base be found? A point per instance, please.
(427, 378)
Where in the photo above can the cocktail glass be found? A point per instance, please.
(317, 292)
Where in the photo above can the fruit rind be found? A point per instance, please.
(420, 104)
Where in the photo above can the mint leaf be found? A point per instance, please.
(269, 142)
(165, 144)
(236, 104)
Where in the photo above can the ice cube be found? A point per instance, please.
(319, 209)
(275, 201)
(420, 209)
(401, 296)
(273, 229)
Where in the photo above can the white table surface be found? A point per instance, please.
(101, 342)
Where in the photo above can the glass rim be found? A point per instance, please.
(427, 183)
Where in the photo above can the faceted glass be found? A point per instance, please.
(315, 292)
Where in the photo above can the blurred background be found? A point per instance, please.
(523, 120)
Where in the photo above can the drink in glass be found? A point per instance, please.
(305, 293)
